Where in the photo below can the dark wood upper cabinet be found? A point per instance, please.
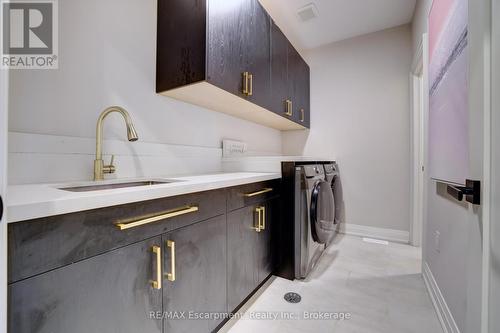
(238, 42)
(301, 103)
(306, 100)
(279, 70)
(223, 55)
(298, 87)
(181, 43)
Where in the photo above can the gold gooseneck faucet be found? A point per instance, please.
(99, 168)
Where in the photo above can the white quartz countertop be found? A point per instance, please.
(25, 202)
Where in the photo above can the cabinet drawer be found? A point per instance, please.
(41, 245)
(250, 194)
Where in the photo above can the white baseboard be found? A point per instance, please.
(392, 235)
(443, 311)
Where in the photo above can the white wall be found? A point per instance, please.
(456, 262)
(360, 115)
(107, 57)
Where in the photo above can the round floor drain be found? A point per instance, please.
(292, 297)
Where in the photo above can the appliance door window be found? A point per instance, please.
(322, 212)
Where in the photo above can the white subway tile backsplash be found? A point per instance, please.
(39, 158)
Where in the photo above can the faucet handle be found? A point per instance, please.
(110, 168)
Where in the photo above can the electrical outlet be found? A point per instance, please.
(437, 234)
(233, 148)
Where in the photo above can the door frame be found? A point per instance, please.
(4, 92)
(418, 126)
(491, 174)
(4, 81)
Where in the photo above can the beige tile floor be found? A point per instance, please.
(380, 286)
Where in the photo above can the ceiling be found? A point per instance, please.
(337, 19)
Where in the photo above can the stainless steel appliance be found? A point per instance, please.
(308, 222)
(332, 177)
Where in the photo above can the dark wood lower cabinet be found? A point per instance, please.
(199, 289)
(250, 260)
(208, 268)
(242, 274)
(265, 262)
(109, 293)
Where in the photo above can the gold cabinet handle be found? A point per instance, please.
(289, 108)
(258, 210)
(250, 89)
(253, 194)
(157, 283)
(302, 115)
(171, 275)
(247, 85)
(156, 218)
(263, 225)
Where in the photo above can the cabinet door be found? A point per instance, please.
(199, 258)
(265, 263)
(242, 272)
(279, 71)
(302, 97)
(109, 293)
(238, 42)
(294, 83)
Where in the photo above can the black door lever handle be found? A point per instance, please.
(471, 191)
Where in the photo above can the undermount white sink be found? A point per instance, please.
(116, 185)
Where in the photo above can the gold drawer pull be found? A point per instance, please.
(157, 283)
(289, 108)
(253, 194)
(302, 115)
(171, 275)
(167, 215)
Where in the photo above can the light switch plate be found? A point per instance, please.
(437, 244)
(232, 148)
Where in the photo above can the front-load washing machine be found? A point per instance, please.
(308, 218)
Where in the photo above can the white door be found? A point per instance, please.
(453, 231)
(417, 78)
(3, 172)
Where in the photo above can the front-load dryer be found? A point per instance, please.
(314, 217)
(332, 177)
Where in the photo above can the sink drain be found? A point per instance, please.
(292, 297)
